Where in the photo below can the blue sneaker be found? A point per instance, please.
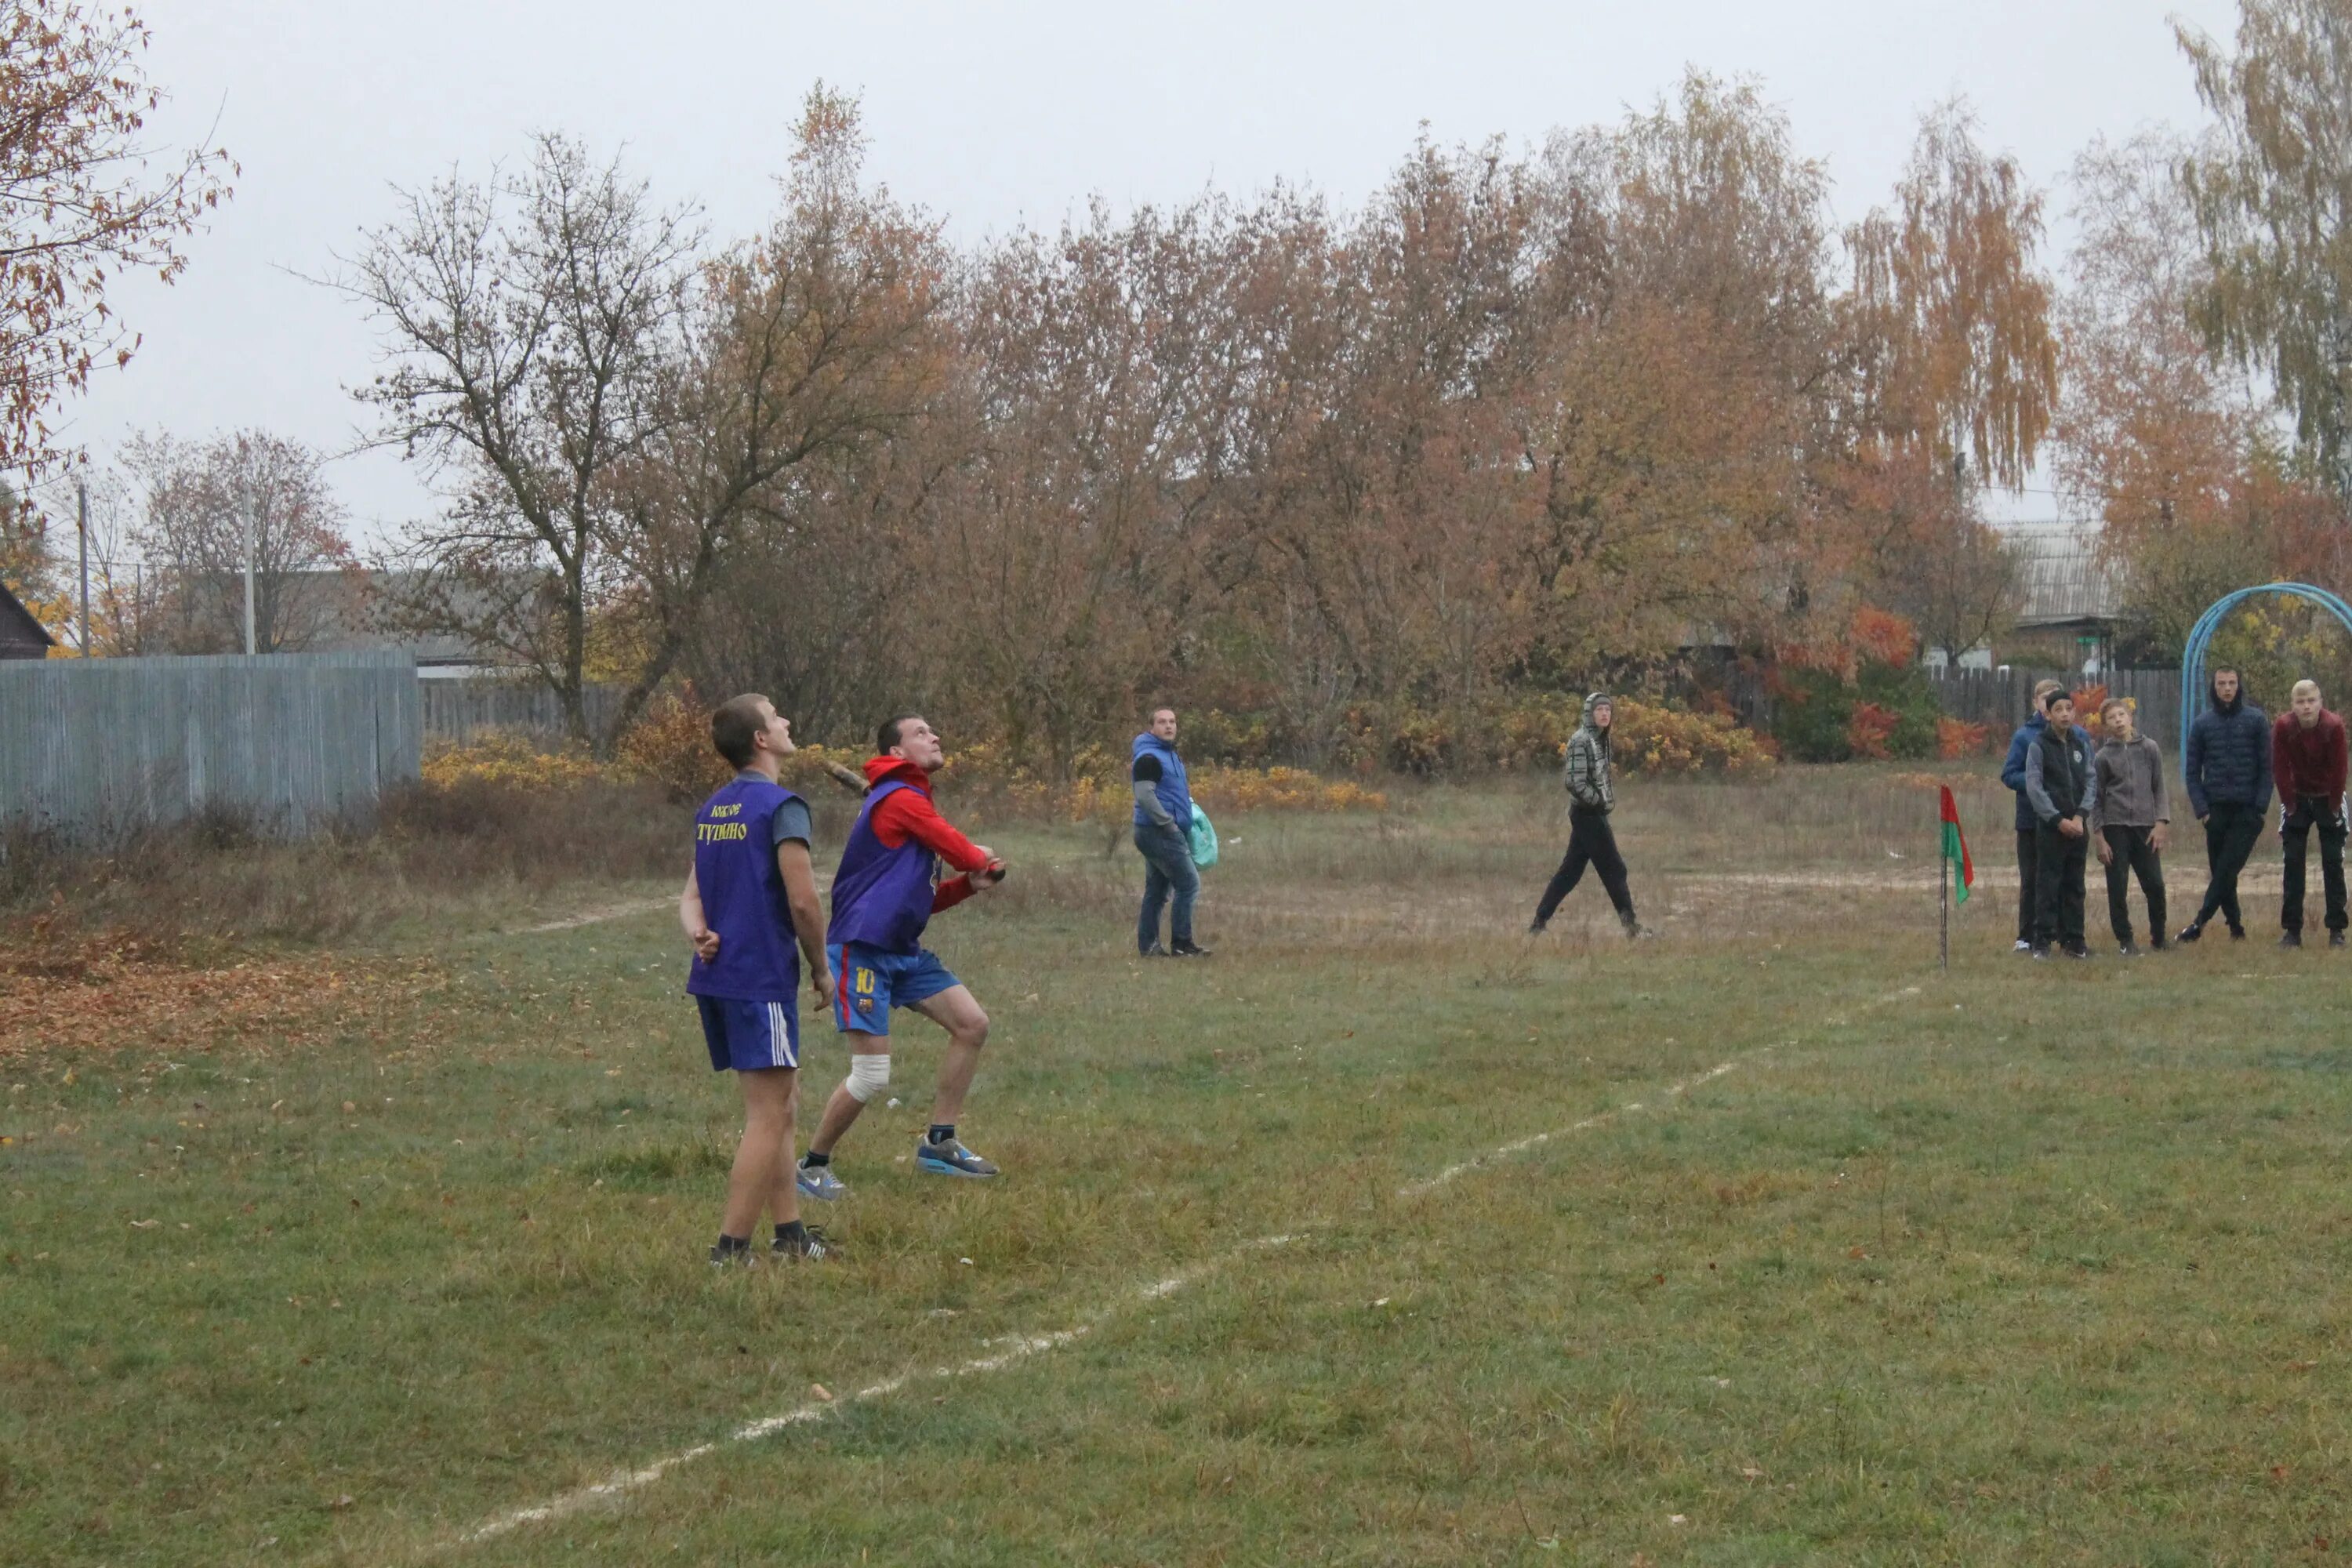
(820, 1183)
(950, 1159)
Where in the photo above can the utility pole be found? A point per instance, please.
(82, 515)
(251, 527)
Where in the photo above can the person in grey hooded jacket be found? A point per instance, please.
(1591, 797)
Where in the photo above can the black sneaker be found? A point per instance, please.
(2335, 939)
(1534, 928)
(2127, 949)
(2237, 933)
(1188, 949)
(1636, 931)
(733, 1258)
(2189, 933)
(2157, 944)
(2075, 949)
(1154, 951)
(810, 1243)
(2039, 952)
(2290, 939)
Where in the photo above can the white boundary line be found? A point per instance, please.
(624, 1482)
(1507, 1151)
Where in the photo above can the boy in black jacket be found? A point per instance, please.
(2227, 764)
(2064, 788)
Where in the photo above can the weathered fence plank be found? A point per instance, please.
(295, 741)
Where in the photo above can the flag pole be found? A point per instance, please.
(1943, 896)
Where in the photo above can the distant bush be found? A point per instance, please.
(1533, 732)
(1883, 710)
(1957, 738)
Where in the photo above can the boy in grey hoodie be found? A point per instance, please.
(1591, 797)
(2129, 821)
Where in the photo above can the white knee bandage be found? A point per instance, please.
(869, 1075)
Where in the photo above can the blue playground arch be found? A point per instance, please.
(2192, 658)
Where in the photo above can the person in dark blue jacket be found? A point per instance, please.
(2012, 773)
(2227, 764)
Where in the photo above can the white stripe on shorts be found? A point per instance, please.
(779, 1037)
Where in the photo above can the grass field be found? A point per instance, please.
(1383, 1237)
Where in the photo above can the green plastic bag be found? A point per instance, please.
(1204, 835)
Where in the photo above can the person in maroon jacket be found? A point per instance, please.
(2309, 759)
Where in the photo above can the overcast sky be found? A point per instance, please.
(992, 117)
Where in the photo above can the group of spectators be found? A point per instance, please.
(2074, 798)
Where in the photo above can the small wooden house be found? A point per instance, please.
(21, 637)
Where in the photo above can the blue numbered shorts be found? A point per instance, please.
(747, 1037)
(868, 982)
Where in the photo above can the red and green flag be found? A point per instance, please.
(1956, 850)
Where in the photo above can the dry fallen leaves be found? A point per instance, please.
(108, 992)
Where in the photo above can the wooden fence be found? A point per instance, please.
(456, 710)
(2003, 697)
(288, 741)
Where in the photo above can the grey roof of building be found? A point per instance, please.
(2066, 581)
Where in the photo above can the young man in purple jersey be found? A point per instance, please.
(885, 893)
(749, 901)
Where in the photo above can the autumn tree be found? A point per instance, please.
(2273, 198)
(808, 355)
(607, 407)
(1088, 351)
(85, 195)
(1683, 377)
(199, 505)
(535, 325)
(1948, 314)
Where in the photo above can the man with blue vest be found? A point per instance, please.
(748, 900)
(884, 895)
(1163, 828)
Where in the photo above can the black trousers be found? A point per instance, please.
(2131, 852)
(1590, 843)
(2231, 832)
(2029, 862)
(2058, 887)
(2302, 815)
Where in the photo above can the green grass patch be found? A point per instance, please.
(2024, 1264)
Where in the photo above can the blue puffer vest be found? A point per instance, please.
(1174, 791)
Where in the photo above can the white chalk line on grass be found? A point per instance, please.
(824, 880)
(625, 1482)
(1671, 1091)
(1536, 1140)
(1020, 1350)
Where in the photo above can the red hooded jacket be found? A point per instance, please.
(909, 813)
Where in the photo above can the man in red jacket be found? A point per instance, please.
(2308, 758)
(884, 895)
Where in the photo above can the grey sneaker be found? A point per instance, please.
(818, 1182)
(950, 1159)
(1154, 951)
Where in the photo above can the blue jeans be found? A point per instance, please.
(1167, 868)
